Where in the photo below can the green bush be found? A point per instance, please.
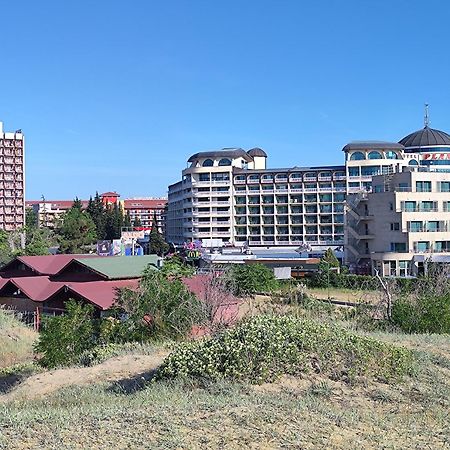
(64, 338)
(160, 308)
(262, 348)
(250, 279)
(426, 313)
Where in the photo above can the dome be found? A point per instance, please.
(427, 137)
(257, 152)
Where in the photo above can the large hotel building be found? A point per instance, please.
(230, 196)
(12, 180)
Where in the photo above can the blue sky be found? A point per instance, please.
(116, 95)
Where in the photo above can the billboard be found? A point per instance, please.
(104, 248)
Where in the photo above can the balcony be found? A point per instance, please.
(324, 178)
(239, 181)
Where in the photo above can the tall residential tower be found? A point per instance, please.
(12, 180)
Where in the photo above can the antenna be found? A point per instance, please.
(426, 119)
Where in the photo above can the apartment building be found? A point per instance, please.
(49, 211)
(143, 210)
(403, 223)
(230, 195)
(12, 179)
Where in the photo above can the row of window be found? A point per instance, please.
(358, 156)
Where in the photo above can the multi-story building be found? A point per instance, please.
(404, 222)
(423, 153)
(12, 179)
(143, 210)
(230, 195)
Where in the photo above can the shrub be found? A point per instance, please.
(250, 279)
(64, 338)
(426, 313)
(159, 308)
(262, 348)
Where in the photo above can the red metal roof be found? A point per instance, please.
(101, 293)
(37, 289)
(48, 264)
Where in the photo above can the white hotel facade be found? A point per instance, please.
(231, 195)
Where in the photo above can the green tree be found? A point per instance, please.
(64, 338)
(328, 260)
(157, 243)
(137, 222)
(31, 218)
(114, 222)
(96, 209)
(127, 220)
(38, 241)
(175, 267)
(5, 248)
(76, 231)
(250, 279)
(77, 204)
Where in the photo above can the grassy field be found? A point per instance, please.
(16, 341)
(312, 412)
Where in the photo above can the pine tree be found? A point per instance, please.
(157, 243)
(76, 231)
(97, 211)
(137, 222)
(77, 204)
(127, 220)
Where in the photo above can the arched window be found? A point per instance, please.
(391, 155)
(413, 162)
(374, 155)
(208, 163)
(225, 162)
(357, 156)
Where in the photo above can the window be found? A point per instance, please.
(398, 247)
(357, 156)
(392, 268)
(225, 162)
(413, 162)
(221, 176)
(370, 170)
(374, 155)
(391, 206)
(409, 206)
(423, 186)
(428, 206)
(415, 226)
(445, 186)
(442, 246)
(208, 163)
(204, 177)
(421, 246)
(433, 225)
(403, 266)
(395, 226)
(353, 171)
(391, 155)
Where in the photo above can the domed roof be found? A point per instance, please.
(426, 137)
(257, 152)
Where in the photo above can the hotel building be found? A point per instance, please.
(232, 197)
(12, 180)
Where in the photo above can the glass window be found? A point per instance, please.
(374, 155)
(427, 206)
(357, 156)
(391, 155)
(413, 162)
(423, 186)
(422, 246)
(403, 266)
(410, 206)
(399, 247)
(208, 163)
(353, 171)
(370, 170)
(225, 162)
(433, 225)
(395, 226)
(204, 177)
(445, 186)
(415, 226)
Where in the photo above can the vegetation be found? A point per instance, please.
(16, 341)
(63, 339)
(161, 308)
(263, 348)
(175, 267)
(76, 230)
(158, 245)
(250, 279)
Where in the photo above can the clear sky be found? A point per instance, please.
(117, 95)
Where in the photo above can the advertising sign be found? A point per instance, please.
(104, 248)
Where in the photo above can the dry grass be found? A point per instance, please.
(304, 413)
(16, 341)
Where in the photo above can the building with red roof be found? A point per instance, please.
(46, 283)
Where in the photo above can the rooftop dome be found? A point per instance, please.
(257, 152)
(426, 137)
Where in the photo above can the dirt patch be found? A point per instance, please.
(114, 369)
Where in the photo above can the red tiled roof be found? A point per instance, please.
(110, 194)
(137, 203)
(47, 264)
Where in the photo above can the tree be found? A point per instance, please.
(38, 241)
(328, 260)
(157, 243)
(137, 222)
(96, 209)
(76, 231)
(5, 248)
(127, 220)
(114, 222)
(77, 204)
(31, 219)
(250, 279)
